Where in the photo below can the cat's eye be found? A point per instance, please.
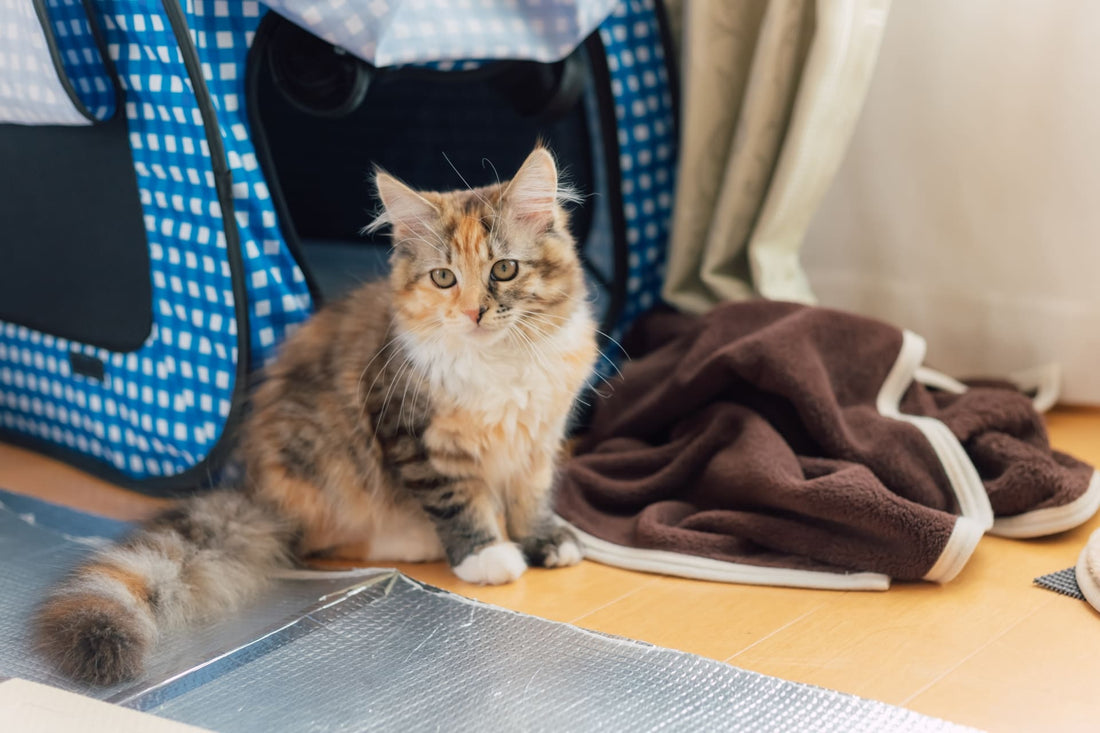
(504, 270)
(443, 278)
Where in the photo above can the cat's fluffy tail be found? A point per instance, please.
(197, 560)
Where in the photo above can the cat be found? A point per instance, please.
(420, 418)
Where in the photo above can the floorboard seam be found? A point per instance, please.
(989, 642)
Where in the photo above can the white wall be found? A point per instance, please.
(968, 206)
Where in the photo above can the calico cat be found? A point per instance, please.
(419, 418)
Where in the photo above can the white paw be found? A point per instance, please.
(565, 554)
(492, 565)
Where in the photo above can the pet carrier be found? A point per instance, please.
(183, 182)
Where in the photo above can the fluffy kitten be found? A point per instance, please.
(417, 419)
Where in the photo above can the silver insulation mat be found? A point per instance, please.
(40, 542)
(384, 652)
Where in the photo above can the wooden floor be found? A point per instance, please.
(989, 649)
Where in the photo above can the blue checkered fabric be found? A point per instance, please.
(161, 409)
(647, 146)
(81, 57)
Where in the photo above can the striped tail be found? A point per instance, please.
(198, 560)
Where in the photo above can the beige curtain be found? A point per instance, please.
(966, 205)
(771, 92)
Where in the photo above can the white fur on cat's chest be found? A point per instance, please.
(521, 401)
(506, 403)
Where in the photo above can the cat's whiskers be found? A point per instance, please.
(440, 245)
(404, 400)
(567, 294)
(421, 379)
(416, 396)
(533, 349)
(466, 183)
(364, 403)
(363, 373)
(436, 247)
(532, 323)
(596, 330)
(435, 335)
(591, 297)
(390, 392)
(544, 336)
(496, 211)
(538, 354)
(495, 174)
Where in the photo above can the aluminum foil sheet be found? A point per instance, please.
(387, 653)
(41, 542)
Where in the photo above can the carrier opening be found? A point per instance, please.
(323, 119)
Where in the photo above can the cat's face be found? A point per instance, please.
(489, 265)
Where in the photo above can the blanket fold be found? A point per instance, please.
(771, 442)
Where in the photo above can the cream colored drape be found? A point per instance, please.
(966, 206)
(771, 92)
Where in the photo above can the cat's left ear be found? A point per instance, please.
(533, 193)
(409, 213)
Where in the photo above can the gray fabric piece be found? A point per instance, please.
(408, 32)
(31, 92)
(1063, 581)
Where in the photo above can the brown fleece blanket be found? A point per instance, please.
(768, 437)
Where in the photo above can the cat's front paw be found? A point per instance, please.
(559, 549)
(498, 563)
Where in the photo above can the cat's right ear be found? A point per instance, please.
(410, 214)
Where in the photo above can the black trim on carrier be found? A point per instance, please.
(87, 366)
(672, 65)
(43, 14)
(268, 24)
(200, 474)
(609, 131)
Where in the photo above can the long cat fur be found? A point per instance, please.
(407, 422)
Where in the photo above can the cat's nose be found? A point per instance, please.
(474, 314)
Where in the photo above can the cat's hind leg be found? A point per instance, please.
(404, 534)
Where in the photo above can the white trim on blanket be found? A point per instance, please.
(1053, 519)
(706, 568)
(960, 546)
(1044, 380)
(965, 482)
(1085, 571)
(938, 380)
